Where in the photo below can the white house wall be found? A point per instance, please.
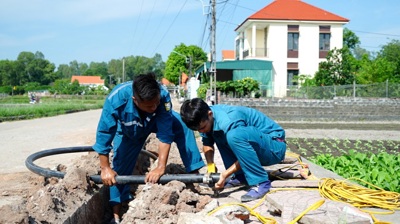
(277, 47)
(277, 33)
(308, 49)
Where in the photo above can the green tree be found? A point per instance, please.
(8, 74)
(391, 53)
(375, 71)
(339, 69)
(135, 65)
(23, 60)
(77, 68)
(350, 39)
(97, 69)
(64, 71)
(159, 66)
(182, 59)
(115, 69)
(41, 70)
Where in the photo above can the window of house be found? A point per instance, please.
(324, 38)
(292, 77)
(324, 41)
(292, 73)
(293, 41)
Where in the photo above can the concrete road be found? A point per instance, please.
(19, 139)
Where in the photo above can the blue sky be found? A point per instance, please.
(101, 30)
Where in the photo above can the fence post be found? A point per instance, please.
(354, 88)
(387, 88)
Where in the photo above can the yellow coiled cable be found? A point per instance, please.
(336, 190)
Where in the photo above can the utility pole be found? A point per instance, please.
(213, 67)
(110, 79)
(123, 69)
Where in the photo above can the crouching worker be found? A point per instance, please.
(130, 113)
(246, 139)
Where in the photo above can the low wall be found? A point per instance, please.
(339, 109)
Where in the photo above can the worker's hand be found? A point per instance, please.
(154, 175)
(221, 182)
(211, 168)
(108, 176)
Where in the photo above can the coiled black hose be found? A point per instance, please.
(132, 179)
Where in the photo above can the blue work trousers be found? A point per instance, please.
(126, 152)
(253, 149)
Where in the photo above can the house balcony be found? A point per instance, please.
(259, 53)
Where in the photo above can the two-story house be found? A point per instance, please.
(294, 35)
(284, 39)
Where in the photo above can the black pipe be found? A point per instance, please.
(185, 178)
(132, 179)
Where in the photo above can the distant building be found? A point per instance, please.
(92, 81)
(282, 40)
(228, 55)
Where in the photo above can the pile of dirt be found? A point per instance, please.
(163, 203)
(54, 200)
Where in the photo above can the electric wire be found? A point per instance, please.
(136, 26)
(147, 25)
(169, 27)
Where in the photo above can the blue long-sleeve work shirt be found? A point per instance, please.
(228, 117)
(120, 114)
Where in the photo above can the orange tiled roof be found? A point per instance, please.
(88, 79)
(294, 10)
(228, 54)
(165, 81)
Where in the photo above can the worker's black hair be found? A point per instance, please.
(146, 87)
(193, 112)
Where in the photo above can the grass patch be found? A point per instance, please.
(19, 108)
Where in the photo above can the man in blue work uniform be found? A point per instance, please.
(246, 138)
(130, 113)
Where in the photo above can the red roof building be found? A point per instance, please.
(292, 34)
(294, 10)
(88, 80)
(228, 55)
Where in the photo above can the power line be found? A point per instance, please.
(382, 34)
(173, 21)
(137, 23)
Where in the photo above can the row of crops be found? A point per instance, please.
(375, 161)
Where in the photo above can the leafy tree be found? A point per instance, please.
(339, 69)
(359, 53)
(350, 39)
(64, 86)
(8, 73)
(41, 71)
(115, 69)
(135, 65)
(77, 68)
(182, 59)
(391, 53)
(375, 71)
(97, 69)
(64, 71)
(159, 66)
